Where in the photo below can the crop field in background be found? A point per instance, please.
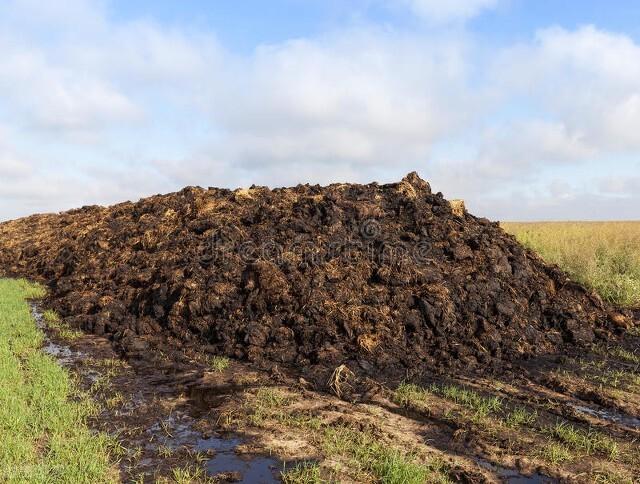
(601, 255)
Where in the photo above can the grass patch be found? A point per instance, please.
(520, 417)
(555, 453)
(190, 475)
(587, 441)
(617, 352)
(269, 398)
(386, 463)
(481, 406)
(363, 452)
(603, 256)
(303, 473)
(268, 404)
(219, 363)
(54, 321)
(609, 476)
(410, 395)
(44, 436)
(625, 355)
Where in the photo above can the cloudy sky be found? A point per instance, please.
(527, 109)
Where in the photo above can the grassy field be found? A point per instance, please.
(601, 255)
(43, 434)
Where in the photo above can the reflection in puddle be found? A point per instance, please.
(217, 444)
(247, 469)
(174, 431)
(512, 476)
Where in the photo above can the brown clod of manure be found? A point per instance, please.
(457, 207)
(619, 320)
(384, 278)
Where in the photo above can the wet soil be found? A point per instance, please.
(196, 418)
(147, 411)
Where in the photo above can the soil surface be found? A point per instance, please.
(387, 280)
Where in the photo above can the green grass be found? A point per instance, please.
(219, 363)
(410, 395)
(303, 473)
(625, 355)
(587, 441)
(268, 404)
(388, 464)
(555, 453)
(190, 475)
(43, 433)
(520, 417)
(363, 452)
(54, 321)
(602, 255)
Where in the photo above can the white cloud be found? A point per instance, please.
(512, 150)
(588, 79)
(571, 98)
(447, 10)
(59, 98)
(360, 98)
(624, 186)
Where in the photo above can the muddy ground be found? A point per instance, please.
(239, 424)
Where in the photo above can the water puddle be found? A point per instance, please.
(242, 468)
(512, 476)
(64, 355)
(174, 432)
(609, 415)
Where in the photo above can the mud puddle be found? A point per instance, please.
(242, 468)
(610, 416)
(154, 423)
(512, 476)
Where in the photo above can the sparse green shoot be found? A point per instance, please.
(587, 441)
(521, 417)
(625, 355)
(54, 321)
(164, 451)
(481, 406)
(408, 394)
(190, 475)
(302, 473)
(555, 453)
(219, 363)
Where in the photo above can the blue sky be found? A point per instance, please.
(527, 109)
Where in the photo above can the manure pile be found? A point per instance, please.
(386, 276)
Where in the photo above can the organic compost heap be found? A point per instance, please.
(391, 276)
